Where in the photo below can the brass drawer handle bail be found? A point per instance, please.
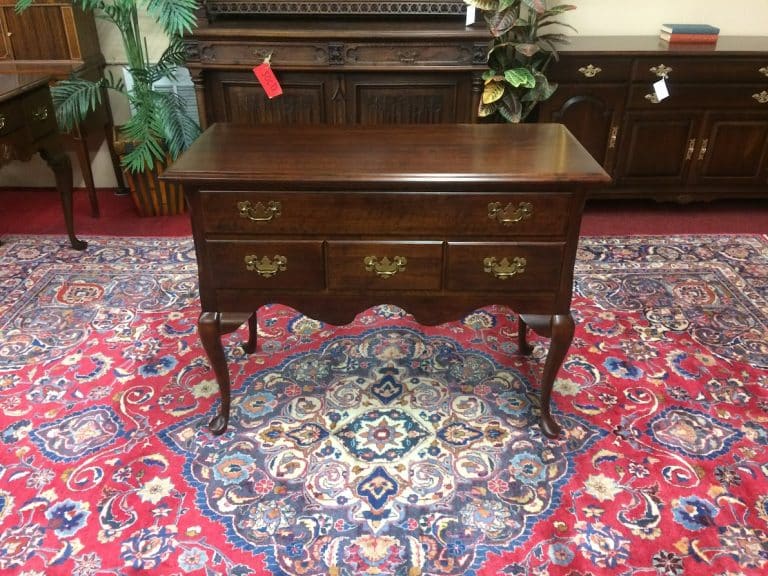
(764, 70)
(590, 71)
(259, 212)
(385, 268)
(264, 266)
(505, 269)
(510, 214)
(652, 98)
(761, 97)
(2, 121)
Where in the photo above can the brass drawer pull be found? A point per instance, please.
(661, 70)
(762, 97)
(652, 98)
(510, 214)
(691, 146)
(505, 269)
(385, 268)
(264, 266)
(613, 136)
(703, 150)
(408, 56)
(2, 121)
(590, 71)
(41, 114)
(259, 213)
(764, 70)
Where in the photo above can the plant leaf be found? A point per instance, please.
(520, 77)
(492, 91)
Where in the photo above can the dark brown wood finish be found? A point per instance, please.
(708, 140)
(28, 127)
(437, 219)
(59, 40)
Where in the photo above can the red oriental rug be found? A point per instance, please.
(384, 447)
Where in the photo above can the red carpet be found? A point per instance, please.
(384, 447)
(38, 211)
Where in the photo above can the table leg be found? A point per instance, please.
(250, 346)
(211, 326)
(559, 328)
(59, 162)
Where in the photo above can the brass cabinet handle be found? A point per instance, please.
(703, 150)
(505, 269)
(613, 136)
(764, 70)
(691, 146)
(259, 212)
(652, 98)
(407, 56)
(761, 97)
(661, 70)
(2, 121)
(265, 266)
(385, 268)
(40, 114)
(590, 71)
(510, 214)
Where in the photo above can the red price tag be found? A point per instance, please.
(268, 80)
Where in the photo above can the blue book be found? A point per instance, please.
(690, 29)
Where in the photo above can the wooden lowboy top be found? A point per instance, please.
(462, 157)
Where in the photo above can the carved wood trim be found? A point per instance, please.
(335, 7)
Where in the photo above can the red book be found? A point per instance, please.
(688, 38)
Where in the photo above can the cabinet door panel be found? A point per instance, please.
(657, 148)
(592, 114)
(408, 98)
(734, 149)
(240, 98)
(52, 45)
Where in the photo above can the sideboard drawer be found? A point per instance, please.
(504, 267)
(290, 265)
(402, 214)
(280, 54)
(410, 54)
(741, 96)
(702, 70)
(384, 265)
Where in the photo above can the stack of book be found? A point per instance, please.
(689, 33)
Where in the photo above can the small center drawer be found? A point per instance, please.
(484, 266)
(415, 215)
(385, 265)
(291, 265)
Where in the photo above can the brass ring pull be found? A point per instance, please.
(510, 215)
(761, 97)
(40, 114)
(505, 269)
(2, 121)
(764, 70)
(385, 268)
(590, 71)
(259, 213)
(264, 266)
(652, 98)
(661, 70)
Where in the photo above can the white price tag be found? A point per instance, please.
(470, 15)
(661, 90)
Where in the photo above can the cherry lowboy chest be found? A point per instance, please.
(437, 219)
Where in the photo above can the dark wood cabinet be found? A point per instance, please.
(708, 139)
(58, 39)
(338, 71)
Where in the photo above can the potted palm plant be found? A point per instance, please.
(159, 127)
(523, 43)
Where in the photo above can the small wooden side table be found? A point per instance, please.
(27, 127)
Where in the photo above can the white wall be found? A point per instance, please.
(592, 17)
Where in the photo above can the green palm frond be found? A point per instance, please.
(74, 99)
(180, 130)
(173, 57)
(175, 16)
(143, 133)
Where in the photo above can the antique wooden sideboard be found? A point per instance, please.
(708, 140)
(437, 219)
